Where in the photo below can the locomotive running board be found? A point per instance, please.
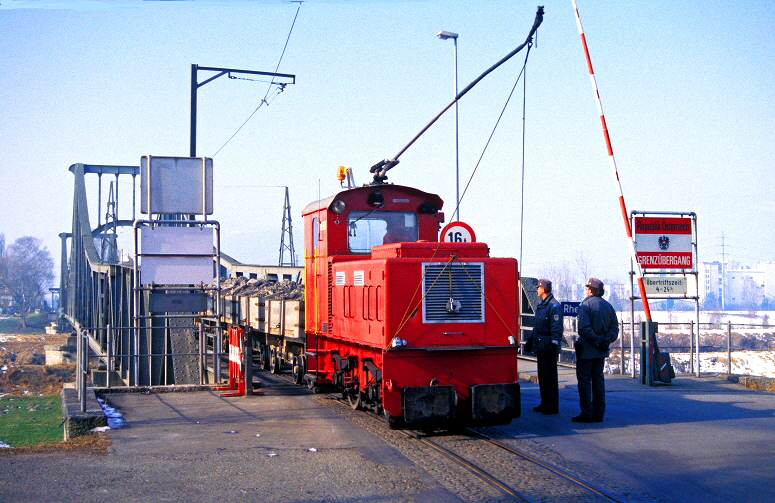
(425, 405)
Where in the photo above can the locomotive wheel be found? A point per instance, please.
(263, 356)
(298, 369)
(354, 398)
(274, 362)
(394, 423)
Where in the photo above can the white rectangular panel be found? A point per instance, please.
(161, 240)
(176, 270)
(176, 185)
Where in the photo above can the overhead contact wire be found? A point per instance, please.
(495, 127)
(508, 329)
(279, 90)
(409, 309)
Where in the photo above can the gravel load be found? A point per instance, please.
(282, 290)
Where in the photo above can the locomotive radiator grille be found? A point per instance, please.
(453, 292)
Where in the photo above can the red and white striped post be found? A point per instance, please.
(237, 378)
(628, 228)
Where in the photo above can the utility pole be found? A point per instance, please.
(195, 85)
(723, 273)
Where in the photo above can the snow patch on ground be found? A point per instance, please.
(115, 419)
(749, 363)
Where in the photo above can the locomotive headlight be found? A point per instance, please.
(453, 306)
(397, 342)
(337, 206)
(376, 199)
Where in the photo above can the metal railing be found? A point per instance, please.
(694, 349)
(103, 344)
(707, 347)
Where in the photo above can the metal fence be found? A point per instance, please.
(112, 360)
(731, 348)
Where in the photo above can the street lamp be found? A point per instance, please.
(444, 35)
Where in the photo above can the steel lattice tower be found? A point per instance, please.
(287, 229)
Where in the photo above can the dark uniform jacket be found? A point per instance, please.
(598, 327)
(548, 325)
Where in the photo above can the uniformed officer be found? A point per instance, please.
(598, 327)
(547, 334)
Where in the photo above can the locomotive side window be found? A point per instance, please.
(372, 228)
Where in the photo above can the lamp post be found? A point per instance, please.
(444, 35)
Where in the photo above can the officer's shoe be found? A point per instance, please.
(583, 418)
(549, 412)
(538, 408)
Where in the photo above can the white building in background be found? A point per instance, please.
(711, 278)
(736, 286)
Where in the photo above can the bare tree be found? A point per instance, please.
(562, 280)
(711, 302)
(26, 271)
(751, 296)
(582, 262)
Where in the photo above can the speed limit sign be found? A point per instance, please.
(458, 232)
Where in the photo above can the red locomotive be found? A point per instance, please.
(401, 323)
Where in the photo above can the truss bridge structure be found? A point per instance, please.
(147, 320)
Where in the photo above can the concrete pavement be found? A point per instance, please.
(697, 440)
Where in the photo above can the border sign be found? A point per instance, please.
(664, 242)
(666, 285)
(570, 308)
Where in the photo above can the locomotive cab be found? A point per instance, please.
(401, 323)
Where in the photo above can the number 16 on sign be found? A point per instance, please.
(458, 232)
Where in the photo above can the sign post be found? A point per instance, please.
(666, 250)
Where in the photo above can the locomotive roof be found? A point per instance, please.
(367, 189)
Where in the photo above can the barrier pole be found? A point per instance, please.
(691, 347)
(247, 361)
(84, 368)
(729, 348)
(621, 347)
(236, 370)
(109, 366)
(612, 162)
(79, 367)
(698, 349)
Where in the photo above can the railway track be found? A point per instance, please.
(478, 467)
(511, 473)
(573, 479)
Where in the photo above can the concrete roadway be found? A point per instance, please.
(696, 440)
(700, 440)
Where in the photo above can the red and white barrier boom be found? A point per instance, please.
(628, 228)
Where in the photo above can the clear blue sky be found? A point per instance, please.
(688, 90)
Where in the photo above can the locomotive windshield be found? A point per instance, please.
(372, 228)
